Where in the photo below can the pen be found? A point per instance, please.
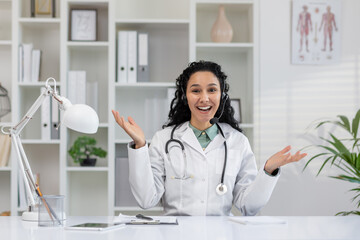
(143, 217)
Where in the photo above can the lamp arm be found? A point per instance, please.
(27, 178)
(15, 131)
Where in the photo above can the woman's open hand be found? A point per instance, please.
(282, 158)
(131, 128)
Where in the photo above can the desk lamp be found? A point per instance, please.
(78, 117)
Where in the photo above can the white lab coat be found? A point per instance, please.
(150, 174)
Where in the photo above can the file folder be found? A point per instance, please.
(122, 54)
(132, 57)
(143, 58)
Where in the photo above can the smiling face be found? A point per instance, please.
(203, 95)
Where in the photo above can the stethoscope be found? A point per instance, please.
(221, 189)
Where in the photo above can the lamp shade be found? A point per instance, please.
(81, 118)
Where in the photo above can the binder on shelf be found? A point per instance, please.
(53, 10)
(32, 8)
(132, 56)
(77, 87)
(92, 95)
(27, 51)
(122, 67)
(55, 131)
(35, 65)
(143, 58)
(45, 118)
(22, 196)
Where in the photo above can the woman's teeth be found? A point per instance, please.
(204, 108)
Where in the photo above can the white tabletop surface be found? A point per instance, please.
(219, 228)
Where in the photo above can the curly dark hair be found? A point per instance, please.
(179, 109)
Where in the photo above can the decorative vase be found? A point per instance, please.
(222, 30)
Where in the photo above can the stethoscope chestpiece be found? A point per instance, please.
(221, 189)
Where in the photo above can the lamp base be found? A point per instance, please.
(30, 216)
(33, 216)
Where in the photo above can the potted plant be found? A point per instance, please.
(83, 148)
(343, 153)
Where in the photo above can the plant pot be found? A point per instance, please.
(88, 162)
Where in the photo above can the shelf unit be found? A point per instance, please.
(179, 33)
(237, 58)
(6, 82)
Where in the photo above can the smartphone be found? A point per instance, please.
(95, 226)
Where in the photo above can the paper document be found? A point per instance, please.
(258, 220)
(154, 220)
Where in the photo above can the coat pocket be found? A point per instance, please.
(232, 164)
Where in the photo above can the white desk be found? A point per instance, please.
(219, 228)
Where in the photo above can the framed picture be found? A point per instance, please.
(43, 7)
(83, 25)
(236, 104)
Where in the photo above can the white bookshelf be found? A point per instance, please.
(5, 43)
(5, 169)
(179, 32)
(146, 85)
(39, 20)
(87, 44)
(87, 169)
(39, 141)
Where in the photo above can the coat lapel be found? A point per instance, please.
(215, 143)
(188, 137)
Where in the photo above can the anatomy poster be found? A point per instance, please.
(316, 31)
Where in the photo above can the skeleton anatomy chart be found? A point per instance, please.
(316, 31)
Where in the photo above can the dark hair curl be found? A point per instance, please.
(179, 108)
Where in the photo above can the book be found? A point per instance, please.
(27, 56)
(21, 63)
(92, 95)
(143, 58)
(35, 65)
(5, 146)
(77, 87)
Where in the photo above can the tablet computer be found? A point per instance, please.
(95, 226)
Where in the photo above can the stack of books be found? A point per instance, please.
(29, 63)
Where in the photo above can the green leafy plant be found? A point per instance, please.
(84, 147)
(342, 153)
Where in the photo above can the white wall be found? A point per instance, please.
(292, 96)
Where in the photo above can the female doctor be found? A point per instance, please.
(200, 163)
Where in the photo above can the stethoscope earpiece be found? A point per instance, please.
(221, 189)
